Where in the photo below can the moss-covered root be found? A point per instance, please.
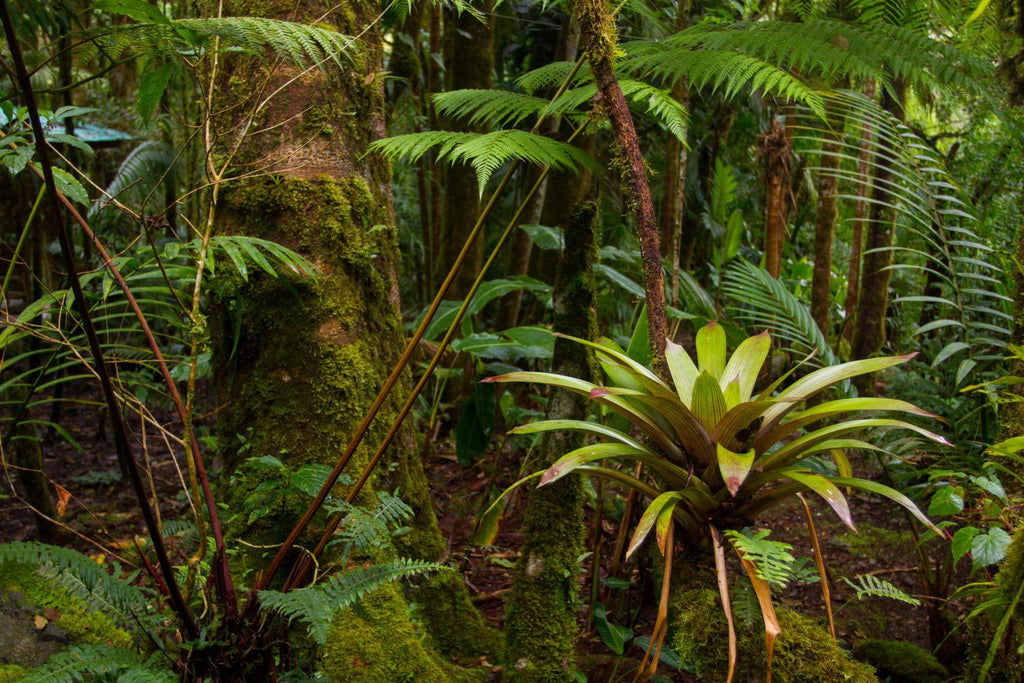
(901, 662)
(541, 613)
(804, 653)
(375, 642)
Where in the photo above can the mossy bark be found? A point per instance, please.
(776, 151)
(299, 361)
(824, 232)
(541, 614)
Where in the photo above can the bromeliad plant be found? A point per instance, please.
(715, 454)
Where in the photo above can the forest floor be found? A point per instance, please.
(99, 508)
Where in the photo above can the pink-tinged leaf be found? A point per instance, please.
(723, 593)
(603, 451)
(825, 377)
(734, 467)
(772, 630)
(663, 526)
(745, 364)
(664, 503)
(890, 493)
(580, 426)
(681, 367)
(826, 489)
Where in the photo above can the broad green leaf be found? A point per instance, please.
(804, 418)
(640, 344)
(69, 186)
(711, 349)
(826, 489)
(734, 466)
(708, 400)
(890, 493)
(962, 541)
(613, 635)
(151, 88)
(683, 423)
(602, 451)
(978, 11)
(545, 238)
(745, 364)
(825, 377)
(948, 351)
(684, 372)
(665, 501)
(583, 426)
(948, 500)
(989, 548)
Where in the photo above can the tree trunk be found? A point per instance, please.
(298, 360)
(597, 31)
(874, 295)
(824, 231)
(541, 613)
(470, 61)
(776, 150)
(676, 157)
(860, 213)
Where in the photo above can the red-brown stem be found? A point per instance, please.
(122, 444)
(596, 28)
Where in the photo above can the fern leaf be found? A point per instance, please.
(771, 559)
(869, 586)
(87, 663)
(497, 107)
(485, 152)
(316, 606)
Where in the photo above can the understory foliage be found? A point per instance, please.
(835, 192)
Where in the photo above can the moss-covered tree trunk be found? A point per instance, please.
(776, 151)
(299, 361)
(541, 614)
(824, 232)
(860, 214)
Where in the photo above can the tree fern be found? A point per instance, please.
(316, 606)
(88, 663)
(485, 152)
(138, 176)
(869, 586)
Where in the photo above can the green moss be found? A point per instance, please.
(869, 539)
(541, 615)
(371, 644)
(81, 623)
(901, 662)
(804, 653)
(11, 672)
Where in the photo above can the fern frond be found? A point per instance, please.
(136, 178)
(364, 528)
(549, 76)
(87, 663)
(496, 107)
(771, 559)
(485, 152)
(764, 302)
(316, 606)
(869, 586)
(79, 573)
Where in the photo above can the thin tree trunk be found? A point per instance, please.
(873, 302)
(676, 157)
(541, 613)
(470, 62)
(297, 360)
(597, 28)
(824, 232)
(860, 213)
(776, 150)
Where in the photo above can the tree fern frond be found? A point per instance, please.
(868, 586)
(485, 152)
(497, 107)
(301, 43)
(316, 606)
(549, 76)
(762, 301)
(136, 178)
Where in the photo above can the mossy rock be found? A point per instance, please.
(804, 653)
(900, 662)
(39, 618)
